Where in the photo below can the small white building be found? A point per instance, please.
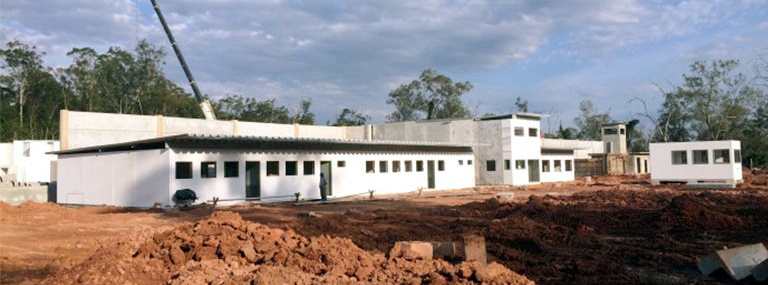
(143, 173)
(28, 161)
(705, 163)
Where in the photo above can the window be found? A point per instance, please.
(519, 131)
(700, 157)
(519, 164)
(679, 157)
(208, 169)
(309, 167)
(370, 166)
(291, 168)
(440, 165)
(26, 149)
(461, 162)
(490, 165)
(231, 169)
(408, 166)
(507, 164)
(50, 146)
(273, 168)
(183, 170)
(469, 162)
(419, 165)
(383, 166)
(610, 131)
(608, 147)
(558, 165)
(622, 131)
(395, 166)
(737, 155)
(721, 156)
(341, 163)
(545, 166)
(568, 165)
(533, 132)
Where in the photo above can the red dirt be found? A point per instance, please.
(611, 231)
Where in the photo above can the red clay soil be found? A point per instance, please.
(611, 231)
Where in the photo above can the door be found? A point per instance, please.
(637, 166)
(325, 169)
(533, 170)
(431, 174)
(252, 179)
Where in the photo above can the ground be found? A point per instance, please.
(613, 230)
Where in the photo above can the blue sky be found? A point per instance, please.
(350, 54)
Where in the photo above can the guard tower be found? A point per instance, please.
(614, 137)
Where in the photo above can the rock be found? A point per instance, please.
(248, 252)
(487, 274)
(177, 256)
(362, 273)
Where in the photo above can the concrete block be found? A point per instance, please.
(760, 271)
(473, 247)
(411, 250)
(737, 262)
(446, 250)
(505, 195)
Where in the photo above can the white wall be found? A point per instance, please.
(133, 179)
(554, 174)
(525, 148)
(6, 154)
(347, 180)
(30, 161)
(662, 168)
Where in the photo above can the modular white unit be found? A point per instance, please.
(705, 163)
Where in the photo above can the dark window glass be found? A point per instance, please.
(183, 170)
(231, 169)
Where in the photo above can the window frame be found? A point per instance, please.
(273, 168)
(490, 165)
(507, 164)
(395, 166)
(696, 160)
(519, 131)
(441, 165)
(568, 165)
(727, 156)
(683, 157)
(419, 166)
(228, 165)
(311, 168)
(370, 166)
(736, 156)
(545, 167)
(205, 169)
(408, 165)
(533, 132)
(520, 164)
(383, 166)
(189, 171)
(291, 168)
(557, 165)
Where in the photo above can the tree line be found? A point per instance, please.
(713, 103)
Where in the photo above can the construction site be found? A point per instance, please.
(612, 229)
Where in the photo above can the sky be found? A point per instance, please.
(351, 54)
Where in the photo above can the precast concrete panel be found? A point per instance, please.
(354, 132)
(69, 188)
(175, 126)
(151, 176)
(265, 129)
(557, 173)
(89, 129)
(490, 150)
(326, 132)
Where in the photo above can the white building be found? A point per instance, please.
(711, 163)
(142, 173)
(27, 161)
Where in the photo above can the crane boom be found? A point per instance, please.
(205, 105)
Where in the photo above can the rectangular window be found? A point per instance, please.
(309, 167)
(558, 165)
(519, 131)
(419, 165)
(370, 166)
(737, 155)
(341, 163)
(519, 164)
(568, 165)
(622, 131)
(273, 168)
(507, 164)
(440, 165)
(183, 170)
(700, 157)
(533, 132)
(545, 166)
(291, 168)
(25, 153)
(490, 165)
(395, 166)
(208, 169)
(383, 166)
(408, 166)
(469, 162)
(610, 131)
(231, 169)
(461, 162)
(679, 157)
(721, 156)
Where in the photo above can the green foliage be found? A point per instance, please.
(237, 107)
(590, 121)
(350, 117)
(432, 96)
(304, 116)
(521, 104)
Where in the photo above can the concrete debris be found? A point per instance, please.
(737, 262)
(505, 195)
(474, 248)
(411, 250)
(446, 250)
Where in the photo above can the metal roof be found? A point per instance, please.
(270, 143)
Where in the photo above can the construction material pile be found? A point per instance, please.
(226, 249)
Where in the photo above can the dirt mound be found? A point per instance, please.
(227, 249)
(692, 212)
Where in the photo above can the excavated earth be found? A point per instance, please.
(613, 231)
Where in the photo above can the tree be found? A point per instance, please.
(590, 121)
(521, 104)
(304, 116)
(433, 95)
(237, 107)
(350, 117)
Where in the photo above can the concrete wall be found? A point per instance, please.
(6, 155)
(662, 168)
(18, 195)
(582, 149)
(557, 171)
(347, 180)
(30, 161)
(135, 179)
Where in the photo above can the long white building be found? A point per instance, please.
(710, 163)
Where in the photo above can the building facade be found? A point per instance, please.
(705, 163)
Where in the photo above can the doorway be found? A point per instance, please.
(431, 174)
(533, 170)
(252, 179)
(325, 169)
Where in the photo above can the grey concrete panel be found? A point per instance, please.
(737, 262)
(18, 195)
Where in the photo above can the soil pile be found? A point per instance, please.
(226, 249)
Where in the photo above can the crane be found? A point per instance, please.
(205, 104)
